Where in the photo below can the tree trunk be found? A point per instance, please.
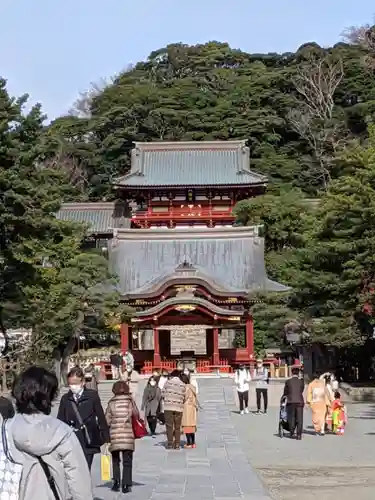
(64, 360)
(3, 331)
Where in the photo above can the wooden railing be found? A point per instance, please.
(184, 214)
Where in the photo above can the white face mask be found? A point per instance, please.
(152, 384)
(75, 388)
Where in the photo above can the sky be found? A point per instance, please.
(54, 49)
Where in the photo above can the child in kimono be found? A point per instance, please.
(339, 417)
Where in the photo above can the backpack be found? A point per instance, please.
(10, 471)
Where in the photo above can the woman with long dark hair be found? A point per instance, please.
(53, 464)
(82, 410)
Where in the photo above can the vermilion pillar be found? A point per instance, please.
(124, 335)
(215, 354)
(250, 337)
(157, 359)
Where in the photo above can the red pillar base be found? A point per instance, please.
(157, 359)
(250, 338)
(215, 354)
(124, 336)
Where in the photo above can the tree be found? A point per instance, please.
(337, 273)
(314, 118)
(364, 37)
(286, 219)
(47, 283)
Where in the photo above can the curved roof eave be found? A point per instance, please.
(188, 300)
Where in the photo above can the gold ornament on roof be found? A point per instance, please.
(185, 307)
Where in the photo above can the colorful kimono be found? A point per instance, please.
(338, 417)
(318, 400)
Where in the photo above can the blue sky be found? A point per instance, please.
(53, 49)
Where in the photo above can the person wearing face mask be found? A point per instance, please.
(82, 410)
(53, 464)
(192, 380)
(132, 378)
(242, 380)
(151, 404)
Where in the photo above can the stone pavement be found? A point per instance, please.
(227, 443)
(217, 469)
(316, 467)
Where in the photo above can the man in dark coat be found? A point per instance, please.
(82, 410)
(293, 391)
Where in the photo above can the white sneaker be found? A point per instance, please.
(242, 412)
(246, 410)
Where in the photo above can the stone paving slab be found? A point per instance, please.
(218, 469)
(316, 467)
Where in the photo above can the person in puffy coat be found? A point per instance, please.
(33, 434)
(119, 419)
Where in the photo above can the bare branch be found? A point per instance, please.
(71, 167)
(313, 118)
(364, 37)
(317, 82)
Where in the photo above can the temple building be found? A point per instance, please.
(183, 266)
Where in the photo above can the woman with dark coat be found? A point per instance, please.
(151, 403)
(119, 418)
(82, 410)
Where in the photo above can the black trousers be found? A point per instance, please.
(152, 422)
(89, 459)
(243, 398)
(173, 427)
(127, 467)
(190, 439)
(295, 418)
(259, 394)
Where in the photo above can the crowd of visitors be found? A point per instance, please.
(322, 397)
(50, 458)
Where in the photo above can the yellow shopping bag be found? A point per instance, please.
(105, 466)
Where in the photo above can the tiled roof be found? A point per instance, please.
(190, 164)
(232, 257)
(100, 217)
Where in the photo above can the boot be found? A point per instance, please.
(116, 486)
(126, 488)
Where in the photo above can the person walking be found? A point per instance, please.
(132, 378)
(52, 460)
(318, 400)
(331, 396)
(116, 362)
(293, 391)
(129, 360)
(151, 404)
(189, 414)
(193, 381)
(82, 410)
(119, 419)
(174, 397)
(163, 379)
(261, 376)
(242, 380)
(91, 381)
